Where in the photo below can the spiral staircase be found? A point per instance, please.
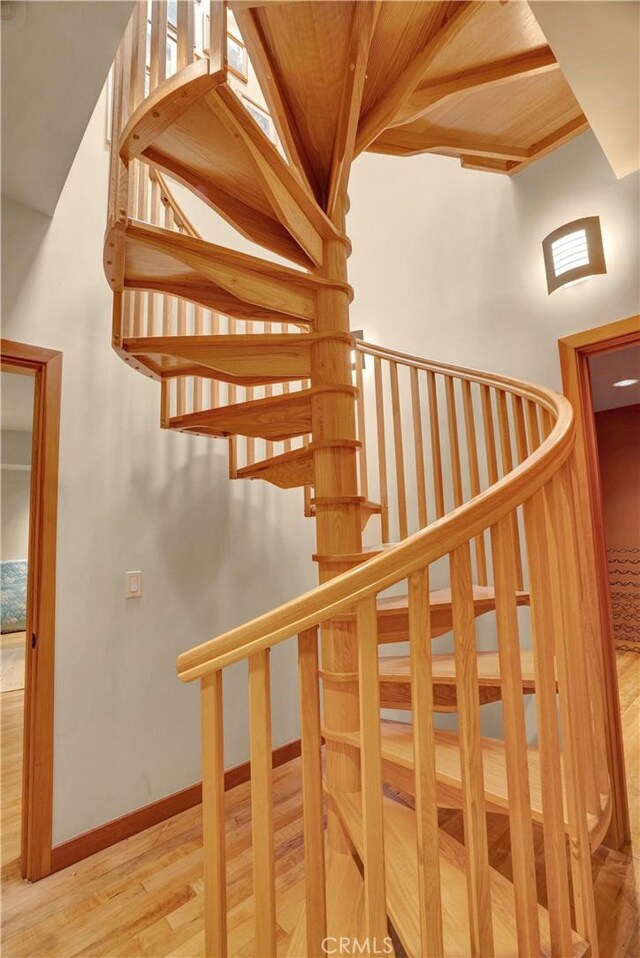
(447, 501)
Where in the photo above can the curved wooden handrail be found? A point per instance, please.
(414, 553)
(526, 390)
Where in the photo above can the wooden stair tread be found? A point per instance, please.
(235, 284)
(396, 668)
(195, 127)
(288, 471)
(397, 750)
(393, 611)
(276, 417)
(402, 884)
(246, 360)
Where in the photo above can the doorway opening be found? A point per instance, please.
(591, 362)
(615, 395)
(31, 389)
(16, 441)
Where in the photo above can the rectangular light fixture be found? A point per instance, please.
(574, 251)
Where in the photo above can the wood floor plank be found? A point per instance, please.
(143, 896)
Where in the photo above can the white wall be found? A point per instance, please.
(447, 263)
(213, 553)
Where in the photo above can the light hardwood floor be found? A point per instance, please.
(144, 896)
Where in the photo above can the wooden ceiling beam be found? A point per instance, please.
(559, 137)
(532, 63)
(383, 112)
(486, 164)
(407, 143)
(273, 87)
(511, 166)
(363, 24)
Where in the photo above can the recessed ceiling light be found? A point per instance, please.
(627, 382)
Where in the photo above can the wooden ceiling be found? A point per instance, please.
(473, 80)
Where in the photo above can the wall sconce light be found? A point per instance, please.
(573, 252)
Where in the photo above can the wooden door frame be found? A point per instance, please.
(45, 365)
(575, 351)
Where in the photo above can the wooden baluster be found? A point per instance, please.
(520, 820)
(421, 481)
(138, 55)
(116, 320)
(231, 399)
(575, 709)
(375, 905)
(158, 55)
(312, 810)
(169, 301)
(382, 450)
(185, 33)
(362, 453)
(593, 659)
(127, 312)
(250, 443)
(142, 212)
(268, 391)
(398, 451)
(473, 803)
(436, 454)
(215, 383)
(308, 509)
(532, 422)
(507, 467)
(198, 325)
(424, 756)
(547, 421)
(218, 35)
(135, 173)
(538, 525)
(522, 447)
(474, 475)
(126, 48)
(489, 434)
(286, 387)
(182, 380)
(156, 220)
(165, 403)
(454, 442)
(264, 884)
(118, 173)
(213, 833)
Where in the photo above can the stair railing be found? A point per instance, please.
(573, 778)
(161, 39)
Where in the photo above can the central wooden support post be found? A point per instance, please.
(338, 521)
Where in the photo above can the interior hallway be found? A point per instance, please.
(144, 895)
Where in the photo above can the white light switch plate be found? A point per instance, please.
(133, 585)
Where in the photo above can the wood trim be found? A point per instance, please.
(45, 365)
(82, 846)
(574, 353)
